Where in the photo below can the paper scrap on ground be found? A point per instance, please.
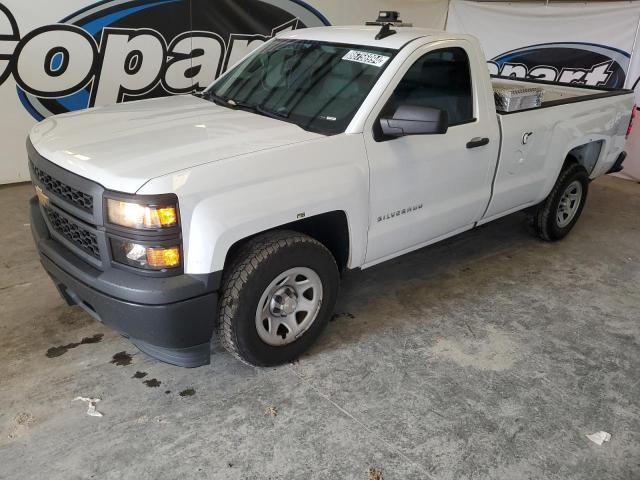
(599, 437)
(91, 409)
(375, 474)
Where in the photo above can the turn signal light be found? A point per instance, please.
(163, 257)
(167, 216)
(145, 257)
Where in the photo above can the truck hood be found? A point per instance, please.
(124, 146)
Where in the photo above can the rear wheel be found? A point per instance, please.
(554, 218)
(278, 295)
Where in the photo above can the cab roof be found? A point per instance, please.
(366, 35)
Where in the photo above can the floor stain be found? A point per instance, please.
(152, 382)
(74, 316)
(336, 316)
(189, 392)
(16, 285)
(495, 351)
(139, 374)
(21, 424)
(54, 352)
(121, 359)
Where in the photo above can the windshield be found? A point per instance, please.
(316, 85)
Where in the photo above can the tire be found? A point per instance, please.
(554, 218)
(253, 279)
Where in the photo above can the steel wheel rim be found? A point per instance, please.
(289, 306)
(569, 204)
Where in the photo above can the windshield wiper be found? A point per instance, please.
(231, 103)
(259, 109)
(218, 99)
(270, 113)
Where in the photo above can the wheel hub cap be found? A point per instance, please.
(284, 302)
(569, 204)
(289, 306)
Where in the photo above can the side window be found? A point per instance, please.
(440, 79)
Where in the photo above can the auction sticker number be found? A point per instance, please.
(367, 58)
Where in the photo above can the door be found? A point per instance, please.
(427, 187)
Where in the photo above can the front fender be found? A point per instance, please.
(226, 201)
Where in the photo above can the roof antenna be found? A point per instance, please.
(385, 31)
(387, 19)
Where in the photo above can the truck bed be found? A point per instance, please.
(557, 94)
(586, 123)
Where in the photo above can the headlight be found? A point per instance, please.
(141, 217)
(144, 256)
(144, 232)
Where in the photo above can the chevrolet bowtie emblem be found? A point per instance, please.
(42, 198)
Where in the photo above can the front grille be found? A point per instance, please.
(74, 233)
(75, 197)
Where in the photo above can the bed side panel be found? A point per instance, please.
(535, 144)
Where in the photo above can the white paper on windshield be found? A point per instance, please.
(367, 58)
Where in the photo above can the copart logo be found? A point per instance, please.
(119, 50)
(575, 63)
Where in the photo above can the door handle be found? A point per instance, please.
(477, 142)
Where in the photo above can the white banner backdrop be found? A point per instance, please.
(584, 43)
(54, 56)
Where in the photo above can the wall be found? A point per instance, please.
(59, 57)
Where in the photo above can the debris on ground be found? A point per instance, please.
(189, 392)
(144, 419)
(375, 474)
(271, 411)
(121, 359)
(139, 374)
(21, 424)
(91, 409)
(599, 437)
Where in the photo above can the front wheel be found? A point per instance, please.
(277, 296)
(554, 218)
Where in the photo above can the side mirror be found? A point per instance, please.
(414, 120)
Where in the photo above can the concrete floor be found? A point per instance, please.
(487, 357)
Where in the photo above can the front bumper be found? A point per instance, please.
(169, 318)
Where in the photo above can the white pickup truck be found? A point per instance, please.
(235, 210)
